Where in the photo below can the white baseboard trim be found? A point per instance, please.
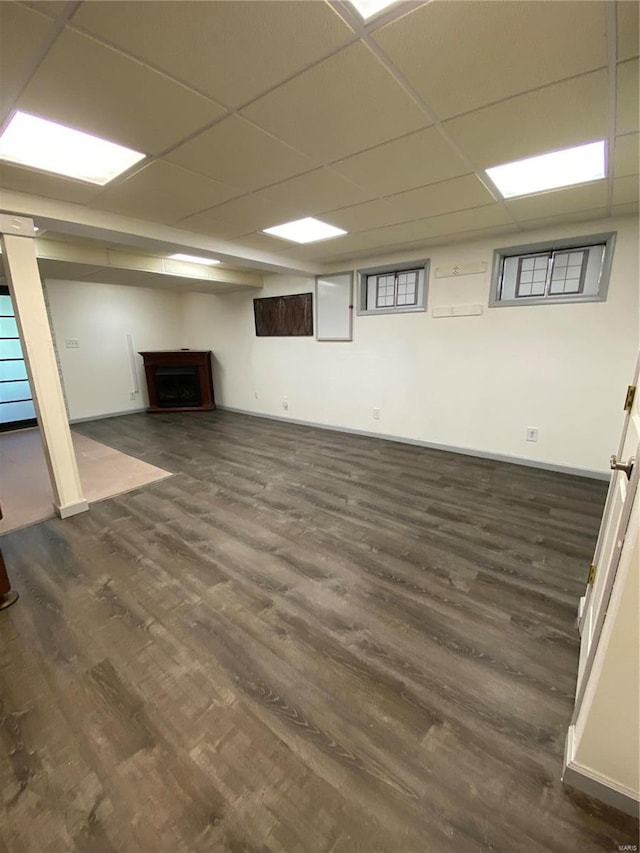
(107, 415)
(71, 509)
(595, 784)
(465, 451)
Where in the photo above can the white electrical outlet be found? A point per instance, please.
(133, 395)
(376, 414)
(285, 404)
(72, 343)
(532, 433)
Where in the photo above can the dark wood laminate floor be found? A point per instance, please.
(305, 641)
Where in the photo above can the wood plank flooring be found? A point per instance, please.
(304, 642)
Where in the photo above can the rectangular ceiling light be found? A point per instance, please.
(550, 171)
(369, 8)
(305, 230)
(193, 259)
(42, 144)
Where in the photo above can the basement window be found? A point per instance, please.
(393, 289)
(572, 270)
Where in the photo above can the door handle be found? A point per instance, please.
(627, 467)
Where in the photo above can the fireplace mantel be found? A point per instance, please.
(179, 380)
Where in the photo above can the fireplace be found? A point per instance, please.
(177, 386)
(179, 381)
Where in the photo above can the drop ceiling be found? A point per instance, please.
(255, 113)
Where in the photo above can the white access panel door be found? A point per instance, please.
(334, 307)
(613, 529)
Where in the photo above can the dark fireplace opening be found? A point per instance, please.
(177, 387)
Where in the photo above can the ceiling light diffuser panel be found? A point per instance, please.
(42, 144)
(369, 8)
(193, 259)
(551, 171)
(307, 230)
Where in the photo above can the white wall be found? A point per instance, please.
(467, 382)
(97, 376)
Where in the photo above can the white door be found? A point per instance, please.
(613, 528)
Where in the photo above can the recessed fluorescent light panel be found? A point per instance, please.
(305, 230)
(41, 144)
(193, 259)
(369, 8)
(551, 171)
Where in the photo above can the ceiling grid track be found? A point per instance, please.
(612, 68)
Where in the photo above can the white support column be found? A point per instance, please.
(21, 267)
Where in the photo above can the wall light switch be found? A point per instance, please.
(72, 343)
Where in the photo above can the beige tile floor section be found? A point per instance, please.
(25, 490)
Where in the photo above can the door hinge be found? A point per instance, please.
(592, 575)
(628, 400)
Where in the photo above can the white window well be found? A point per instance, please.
(393, 289)
(568, 270)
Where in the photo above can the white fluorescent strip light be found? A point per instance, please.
(550, 171)
(369, 8)
(306, 230)
(192, 259)
(42, 144)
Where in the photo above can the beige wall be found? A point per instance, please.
(97, 376)
(468, 382)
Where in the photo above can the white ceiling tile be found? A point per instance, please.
(559, 116)
(490, 216)
(628, 28)
(627, 155)
(231, 51)
(625, 190)
(236, 218)
(52, 8)
(312, 193)
(625, 209)
(570, 217)
(414, 160)
(163, 192)
(363, 217)
(345, 104)
(93, 88)
(446, 196)
(628, 97)
(419, 234)
(42, 184)
(347, 246)
(463, 55)
(257, 240)
(22, 34)
(236, 152)
(556, 202)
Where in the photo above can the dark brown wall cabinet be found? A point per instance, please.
(284, 316)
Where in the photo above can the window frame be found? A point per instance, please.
(420, 306)
(552, 247)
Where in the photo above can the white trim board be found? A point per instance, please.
(465, 451)
(594, 784)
